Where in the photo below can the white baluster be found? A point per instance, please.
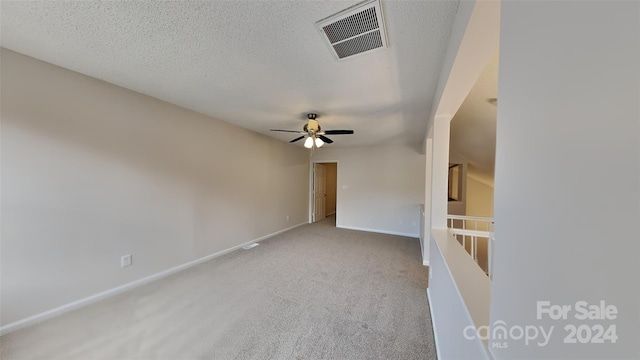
(490, 257)
(474, 248)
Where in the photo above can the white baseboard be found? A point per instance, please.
(380, 231)
(435, 330)
(425, 262)
(331, 213)
(128, 286)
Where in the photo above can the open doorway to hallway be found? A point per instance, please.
(324, 184)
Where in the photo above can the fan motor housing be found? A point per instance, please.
(312, 125)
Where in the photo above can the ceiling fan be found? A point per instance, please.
(314, 134)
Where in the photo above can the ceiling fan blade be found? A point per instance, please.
(338, 132)
(296, 139)
(293, 131)
(325, 139)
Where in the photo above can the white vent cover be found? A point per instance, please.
(356, 30)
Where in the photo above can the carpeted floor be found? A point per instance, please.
(315, 292)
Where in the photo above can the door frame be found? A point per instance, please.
(312, 178)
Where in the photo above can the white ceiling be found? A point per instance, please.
(473, 128)
(259, 65)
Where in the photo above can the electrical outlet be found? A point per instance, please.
(126, 260)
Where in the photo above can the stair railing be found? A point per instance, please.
(474, 233)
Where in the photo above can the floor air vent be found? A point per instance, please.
(356, 30)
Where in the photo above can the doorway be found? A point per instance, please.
(324, 186)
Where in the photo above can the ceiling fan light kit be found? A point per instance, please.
(313, 134)
(308, 143)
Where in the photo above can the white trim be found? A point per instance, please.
(413, 235)
(331, 213)
(433, 326)
(472, 218)
(122, 288)
(467, 232)
(425, 262)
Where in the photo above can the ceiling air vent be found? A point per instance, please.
(356, 30)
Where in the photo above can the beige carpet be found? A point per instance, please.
(315, 292)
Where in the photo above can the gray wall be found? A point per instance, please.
(380, 188)
(567, 194)
(91, 171)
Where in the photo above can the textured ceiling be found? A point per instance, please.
(259, 65)
(473, 128)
